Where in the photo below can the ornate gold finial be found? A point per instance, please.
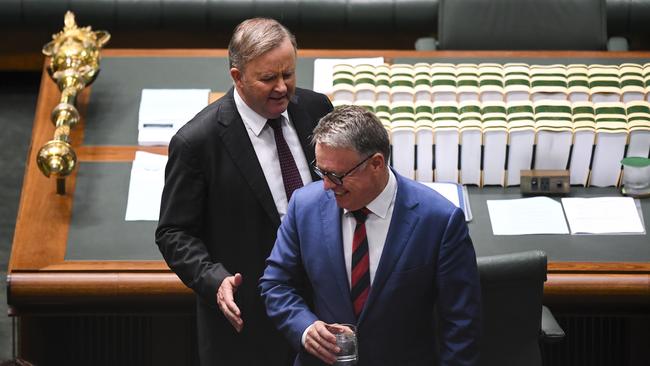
(73, 65)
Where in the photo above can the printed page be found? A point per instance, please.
(524, 216)
(145, 187)
(603, 215)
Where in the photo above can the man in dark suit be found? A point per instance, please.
(380, 251)
(231, 172)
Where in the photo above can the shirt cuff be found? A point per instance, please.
(304, 334)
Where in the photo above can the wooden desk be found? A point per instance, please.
(49, 290)
(39, 274)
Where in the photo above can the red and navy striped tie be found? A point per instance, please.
(360, 269)
(290, 174)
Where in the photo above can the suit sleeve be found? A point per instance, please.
(459, 303)
(181, 223)
(283, 280)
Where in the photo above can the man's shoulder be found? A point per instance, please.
(205, 123)
(310, 97)
(426, 197)
(309, 93)
(310, 194)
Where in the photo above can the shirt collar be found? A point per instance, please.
(380, 205)
(252, 119)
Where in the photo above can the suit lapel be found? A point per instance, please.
(237, 143)
(304, 129)
(402, 223)
(333, 240)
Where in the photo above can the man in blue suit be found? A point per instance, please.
(379, 251)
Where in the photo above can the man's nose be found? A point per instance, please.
(328, 184)
(280, 86)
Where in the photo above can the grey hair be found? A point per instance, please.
(353, 127)
(254, 37)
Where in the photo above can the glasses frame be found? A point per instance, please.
(333, 177)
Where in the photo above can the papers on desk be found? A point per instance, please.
(543, 215)
(164, 111)
(536, 215)
(603, 215)
(455, 193)
(145, 187)
(324, 70)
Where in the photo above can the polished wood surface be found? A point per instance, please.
(39, 274)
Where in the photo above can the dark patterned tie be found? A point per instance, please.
(290, 174)
(360, 269)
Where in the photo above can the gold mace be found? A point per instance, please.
(73, 64)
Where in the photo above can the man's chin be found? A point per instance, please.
(277, 108)
(342, 201)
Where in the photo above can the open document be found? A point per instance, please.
(145, 187)
(324, 70)
(455, 193)
(603, 215)
(164, 111)
(535, 215)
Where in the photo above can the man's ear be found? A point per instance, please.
(236, 76)
(377, 160)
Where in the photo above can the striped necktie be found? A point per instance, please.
(290, 174)
(360, 269)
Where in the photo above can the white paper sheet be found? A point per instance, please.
(145, 187)
(603, 215)
(164, 111)
(324, 70)
(536, 215)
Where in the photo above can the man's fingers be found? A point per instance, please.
(237, 280)
(321, 343)
(226, 293)
(233, 316)
(325, 334)
(321, 352)
(226, 301)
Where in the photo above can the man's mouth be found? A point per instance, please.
(277, 99)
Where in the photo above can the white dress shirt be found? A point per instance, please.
(263, 141)
(377, 226)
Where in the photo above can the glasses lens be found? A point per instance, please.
(336, 180)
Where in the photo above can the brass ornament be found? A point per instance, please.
(73, 65)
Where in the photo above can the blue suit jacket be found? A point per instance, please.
(428, 260)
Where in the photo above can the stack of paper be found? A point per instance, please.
(164, 111)
(323, 70)
(544, 215)
(536, 215)
(446, 140)
(471, 142)
(611, 139)
(603, 215)
(495, 139)
(145, 187)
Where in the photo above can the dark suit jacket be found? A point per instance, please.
(428, 260)
(218, 217)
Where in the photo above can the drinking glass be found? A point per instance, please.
(346, 340)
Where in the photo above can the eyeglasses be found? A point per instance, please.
(335, 178)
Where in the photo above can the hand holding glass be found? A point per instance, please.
(346, 340)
